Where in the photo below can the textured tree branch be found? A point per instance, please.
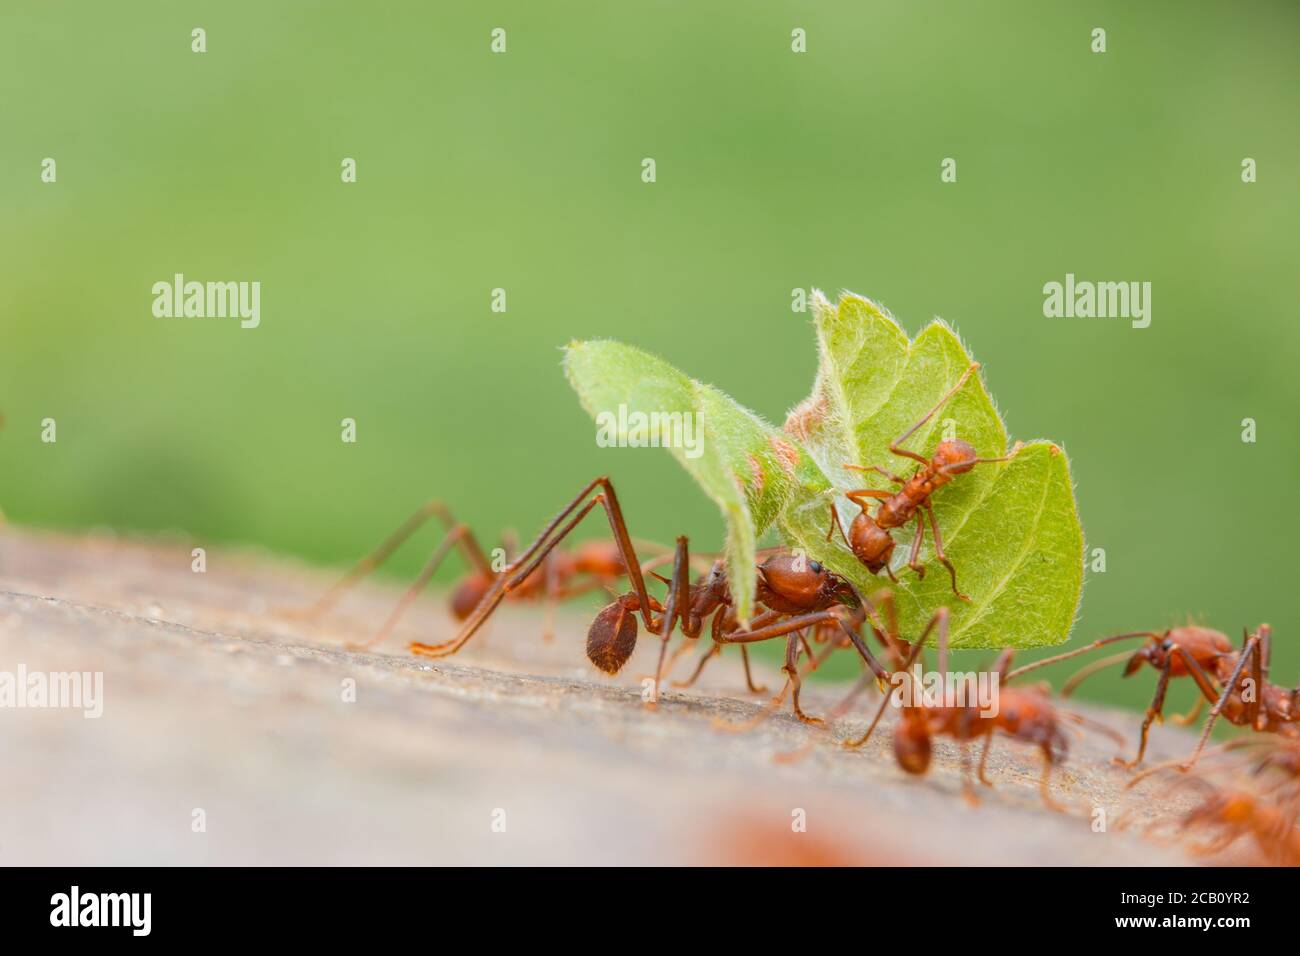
(215, 698)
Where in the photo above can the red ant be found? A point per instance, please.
(564, 575)
(794, 593)
(870, 537)
(1230, 813)
(1024, 714)
(1237, 813)
(1267, 811)
(1208, 657)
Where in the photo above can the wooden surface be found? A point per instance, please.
(218, 697)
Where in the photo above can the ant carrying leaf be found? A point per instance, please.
(1008, 528)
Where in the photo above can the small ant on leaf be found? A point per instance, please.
(870, 537)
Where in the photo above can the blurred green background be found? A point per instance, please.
(522, 171)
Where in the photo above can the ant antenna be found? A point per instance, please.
(1102, 642)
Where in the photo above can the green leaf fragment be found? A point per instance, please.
(1011, 529)
(744, 464)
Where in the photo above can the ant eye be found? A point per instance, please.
(816, 567)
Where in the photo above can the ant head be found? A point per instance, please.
(955, 456)
(1155, 653)
(612, 635)
(716, 581)
(798, 579)
(912, 744)
(468, 593)
(872, 544)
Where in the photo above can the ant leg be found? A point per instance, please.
(835, 523)
(675, 656)
(1154, 709)
(876, 468)
(792, 670)
(699, 668)
(473, 554)
(938, 551)
(984, 758)
(519, 570)
(456, 536)
(1257, 676)
(1102, 642)
(940, 619)
(889, 638)
(765, 618)
(765, 631)
(903, 452)
(913, 559)
(967, 788)
(1045, 782)
(1266, 647)
(1182, 720)
(720, 622)
(793, 756)
(874, 673)
(858, 494)
(744, 726)
(749, 678)
(1249, 651)
(678, 601)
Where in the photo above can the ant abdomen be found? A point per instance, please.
(468, 593)
(912, 746)
(612, 636)
(871, 544)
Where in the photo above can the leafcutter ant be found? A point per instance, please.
(563, 575)
(1245, 699)
(793, 594)
(870, 537)
(1025, 714)
(1228, 813)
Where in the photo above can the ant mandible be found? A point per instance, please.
(870, 537)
